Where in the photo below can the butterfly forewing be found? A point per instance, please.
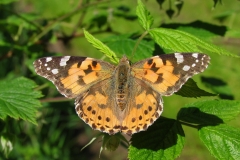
(73, 75)
(167, 73)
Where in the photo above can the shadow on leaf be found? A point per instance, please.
(194, 115)
(218, 86)
(163, 134)
(219, 30)
(157, 50)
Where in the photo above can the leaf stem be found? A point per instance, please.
(80, 20)
(189, 125)
(138, 41)
(56, 99)
(41, 87)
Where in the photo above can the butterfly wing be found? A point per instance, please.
(153, 77)
(89, 80)
(167, 73)
(97, 107)
(73, 75)
(145, 105)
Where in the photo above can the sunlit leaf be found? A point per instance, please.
(19, 100)
(222, 141)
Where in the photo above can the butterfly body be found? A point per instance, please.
(122, 78)
(124, 98)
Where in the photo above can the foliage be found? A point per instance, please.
(18, 99)
(59, 134)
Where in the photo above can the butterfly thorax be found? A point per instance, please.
(122, 82)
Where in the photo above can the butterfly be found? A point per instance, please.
(124, 98)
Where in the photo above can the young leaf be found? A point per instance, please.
(190, 89)
(101, 47)
(144, 16)
(18, 99)
(179, 41)
(162, 141)
(210, 112)
(222, 141)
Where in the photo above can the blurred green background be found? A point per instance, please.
(32, 29)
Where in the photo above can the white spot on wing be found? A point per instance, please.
(179, 57)
(48, 68)
(195, 55)
(45, 64)
(193, 65)
(40, 62)
(64, 60)
(48, 59)
(55, 71)
(186, 68)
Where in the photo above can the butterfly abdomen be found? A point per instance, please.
(121, 85)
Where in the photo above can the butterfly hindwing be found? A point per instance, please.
(144, 107)
(98, 109)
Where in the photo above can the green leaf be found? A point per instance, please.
(179, 41)
(163, 140)
(235, 33)
(216, 2)
(101, 47)
(23, 20)
(222, 141)
(198, 32)
(223, 16)
(209, 112)
(190, 89)
(18, 99)
(99, 20)
(144, 16)
(124, 46)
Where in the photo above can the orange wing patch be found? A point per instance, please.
(145, 107)
(95, 107)
(158, 74)
(81, 75)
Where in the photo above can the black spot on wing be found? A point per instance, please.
(88, 70)
(154, 68)
(150, 61)
(94, 63)
(80, 81)
(160, 78)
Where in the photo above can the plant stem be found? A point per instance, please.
(138, 41)
(189, 125)
(52, 25)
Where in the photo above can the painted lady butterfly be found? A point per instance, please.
(124, 98)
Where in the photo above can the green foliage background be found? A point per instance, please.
(52, 130)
